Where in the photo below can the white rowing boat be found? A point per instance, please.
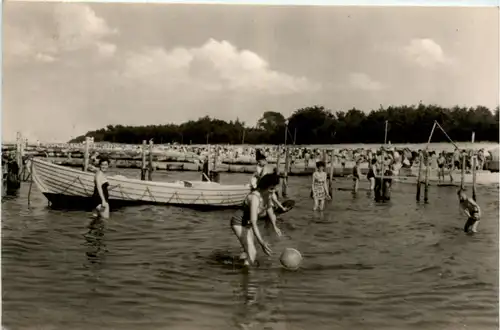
(66, 186)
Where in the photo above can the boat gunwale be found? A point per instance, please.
(171, 185)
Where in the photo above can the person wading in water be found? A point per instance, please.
(441, 162)
(320, 186)
(101, 195)
(470, 208)
(256, 205)
(261, 164)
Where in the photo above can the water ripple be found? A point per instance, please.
(397, 265)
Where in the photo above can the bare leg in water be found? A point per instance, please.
(321, 204)
(246, 238)
(238, 232)
(355, 185)
(316, 204)
(251, 250)
(372, 184)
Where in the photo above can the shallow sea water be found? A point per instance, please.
(367, 265)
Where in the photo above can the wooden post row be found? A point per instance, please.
(143, 165)
(150, 172)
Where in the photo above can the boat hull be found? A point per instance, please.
(65, 202)
(67, 187)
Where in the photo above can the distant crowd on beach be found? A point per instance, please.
(395, 157)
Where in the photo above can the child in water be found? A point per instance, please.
(260, 171)
(471, 210)
(319, 187)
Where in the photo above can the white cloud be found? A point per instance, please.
(106, 49)
(41, 57)
(364, 82)
(77, 27)
(21, 45)
(216, 65)
(426, 53)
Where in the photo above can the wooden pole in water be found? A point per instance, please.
(285, 176)
(427, 161)
(22, 166)
(216, 154)
(86, 154)
(462, 182)
(474, 161)
(382, 165)
(420, 160)
(385, 135)
(331, 173)
(427, 168)
(143, 167)
(19, 157)
(215, 176)
(150, 172)
(278, 156)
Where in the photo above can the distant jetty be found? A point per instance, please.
(224, 158)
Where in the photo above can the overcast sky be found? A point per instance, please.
(69, 68)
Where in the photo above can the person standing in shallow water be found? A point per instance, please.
(261, 165)
(470, 208)
(257, 205)
(356, 175)
(372, 172)
(319, 186)
(441, 162)
(101, 195)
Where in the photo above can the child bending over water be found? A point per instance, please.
(471, 210)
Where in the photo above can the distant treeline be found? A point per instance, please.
(317, 125)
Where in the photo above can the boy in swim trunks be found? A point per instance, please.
(441, 162)
(471, 210)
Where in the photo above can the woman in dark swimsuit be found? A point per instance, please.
(101, 195)
(257, 204)
(372, 172)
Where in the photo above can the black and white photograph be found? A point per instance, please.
(250, 166)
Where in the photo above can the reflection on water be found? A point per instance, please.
(95, 241)
(260, 301)
(367, 265)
